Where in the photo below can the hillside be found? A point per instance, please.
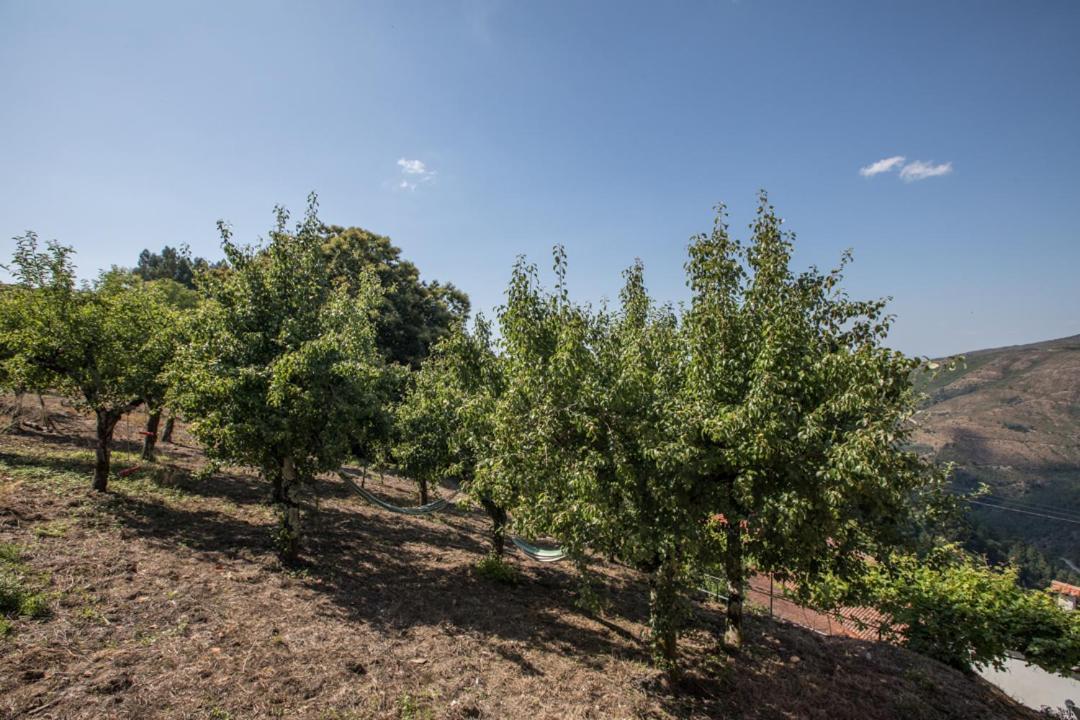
(168, 601)
(1010, 417)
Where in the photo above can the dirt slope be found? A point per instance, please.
(168, 602)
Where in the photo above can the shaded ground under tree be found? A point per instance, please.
(169, 602)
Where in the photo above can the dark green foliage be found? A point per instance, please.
(413, 314)
(172, 264)
(281, 371)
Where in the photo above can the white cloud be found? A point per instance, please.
(412, 167)
(882, 166)
(920, 170)
(413, 173)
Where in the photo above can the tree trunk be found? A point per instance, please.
(46, 418)
(166, 434)
(289, 537)
(150, 436)
(277, 488)
(663, 617)
(106, 423)
(498, 525)
(735, 570)
(423, 491)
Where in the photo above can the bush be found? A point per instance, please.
(954, 608)
(494, 568)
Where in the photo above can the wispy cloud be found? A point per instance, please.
(920, 170)
(413, 173)
(882, 166)
(909, 171)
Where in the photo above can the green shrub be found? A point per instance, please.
(953, 607)
(493, 568)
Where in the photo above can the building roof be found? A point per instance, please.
(1061, 588)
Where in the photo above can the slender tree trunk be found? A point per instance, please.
(16, 413)
(289, 544)
(277, 487)
(663, 616)
(423, 491)
(150, 438)
(166, 434)
(498, 525)
(106, 424)
(46, 419)
(735, 570)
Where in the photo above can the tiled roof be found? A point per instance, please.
(1061, 588)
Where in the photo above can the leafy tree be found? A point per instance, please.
(764, 424)
(93, 343)
(282, 372)
(171, 301)
(953, 607)
(793, 415)
(172, 264)
(413, 314)
(586, 399)
(444, 422)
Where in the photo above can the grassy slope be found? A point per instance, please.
(1010, 417)
(166, 601)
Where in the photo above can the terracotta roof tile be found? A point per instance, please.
(1061, 588)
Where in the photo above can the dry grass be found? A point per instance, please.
(168, 602)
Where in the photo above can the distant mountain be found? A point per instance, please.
(1010, 417)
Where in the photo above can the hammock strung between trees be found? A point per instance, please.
(533, 552)
(539, 554)
(433, 506)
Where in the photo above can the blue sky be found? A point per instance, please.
(611, 128)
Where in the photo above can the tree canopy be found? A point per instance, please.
(413, 314)
(763, 423)
(101, 344)
(444, 421)
(282, 371)
(171, 263)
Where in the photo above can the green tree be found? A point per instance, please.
(953, 607)
(444, 422)
(764, 425)
(170, 301)
(413, 314)
(92, 343)
(174, 264)
(282, 372)
(794, 416)
(586, 400)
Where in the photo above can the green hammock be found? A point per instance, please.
(539, 554)
(433, 506)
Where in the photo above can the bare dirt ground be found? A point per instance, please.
(167, 601)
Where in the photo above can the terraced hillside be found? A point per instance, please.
(1010, 417)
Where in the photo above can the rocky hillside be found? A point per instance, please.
(1010, 417)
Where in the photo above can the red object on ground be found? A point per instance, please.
(144, 433)
(129, 471)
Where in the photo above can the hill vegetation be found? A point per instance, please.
(1009, 418)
